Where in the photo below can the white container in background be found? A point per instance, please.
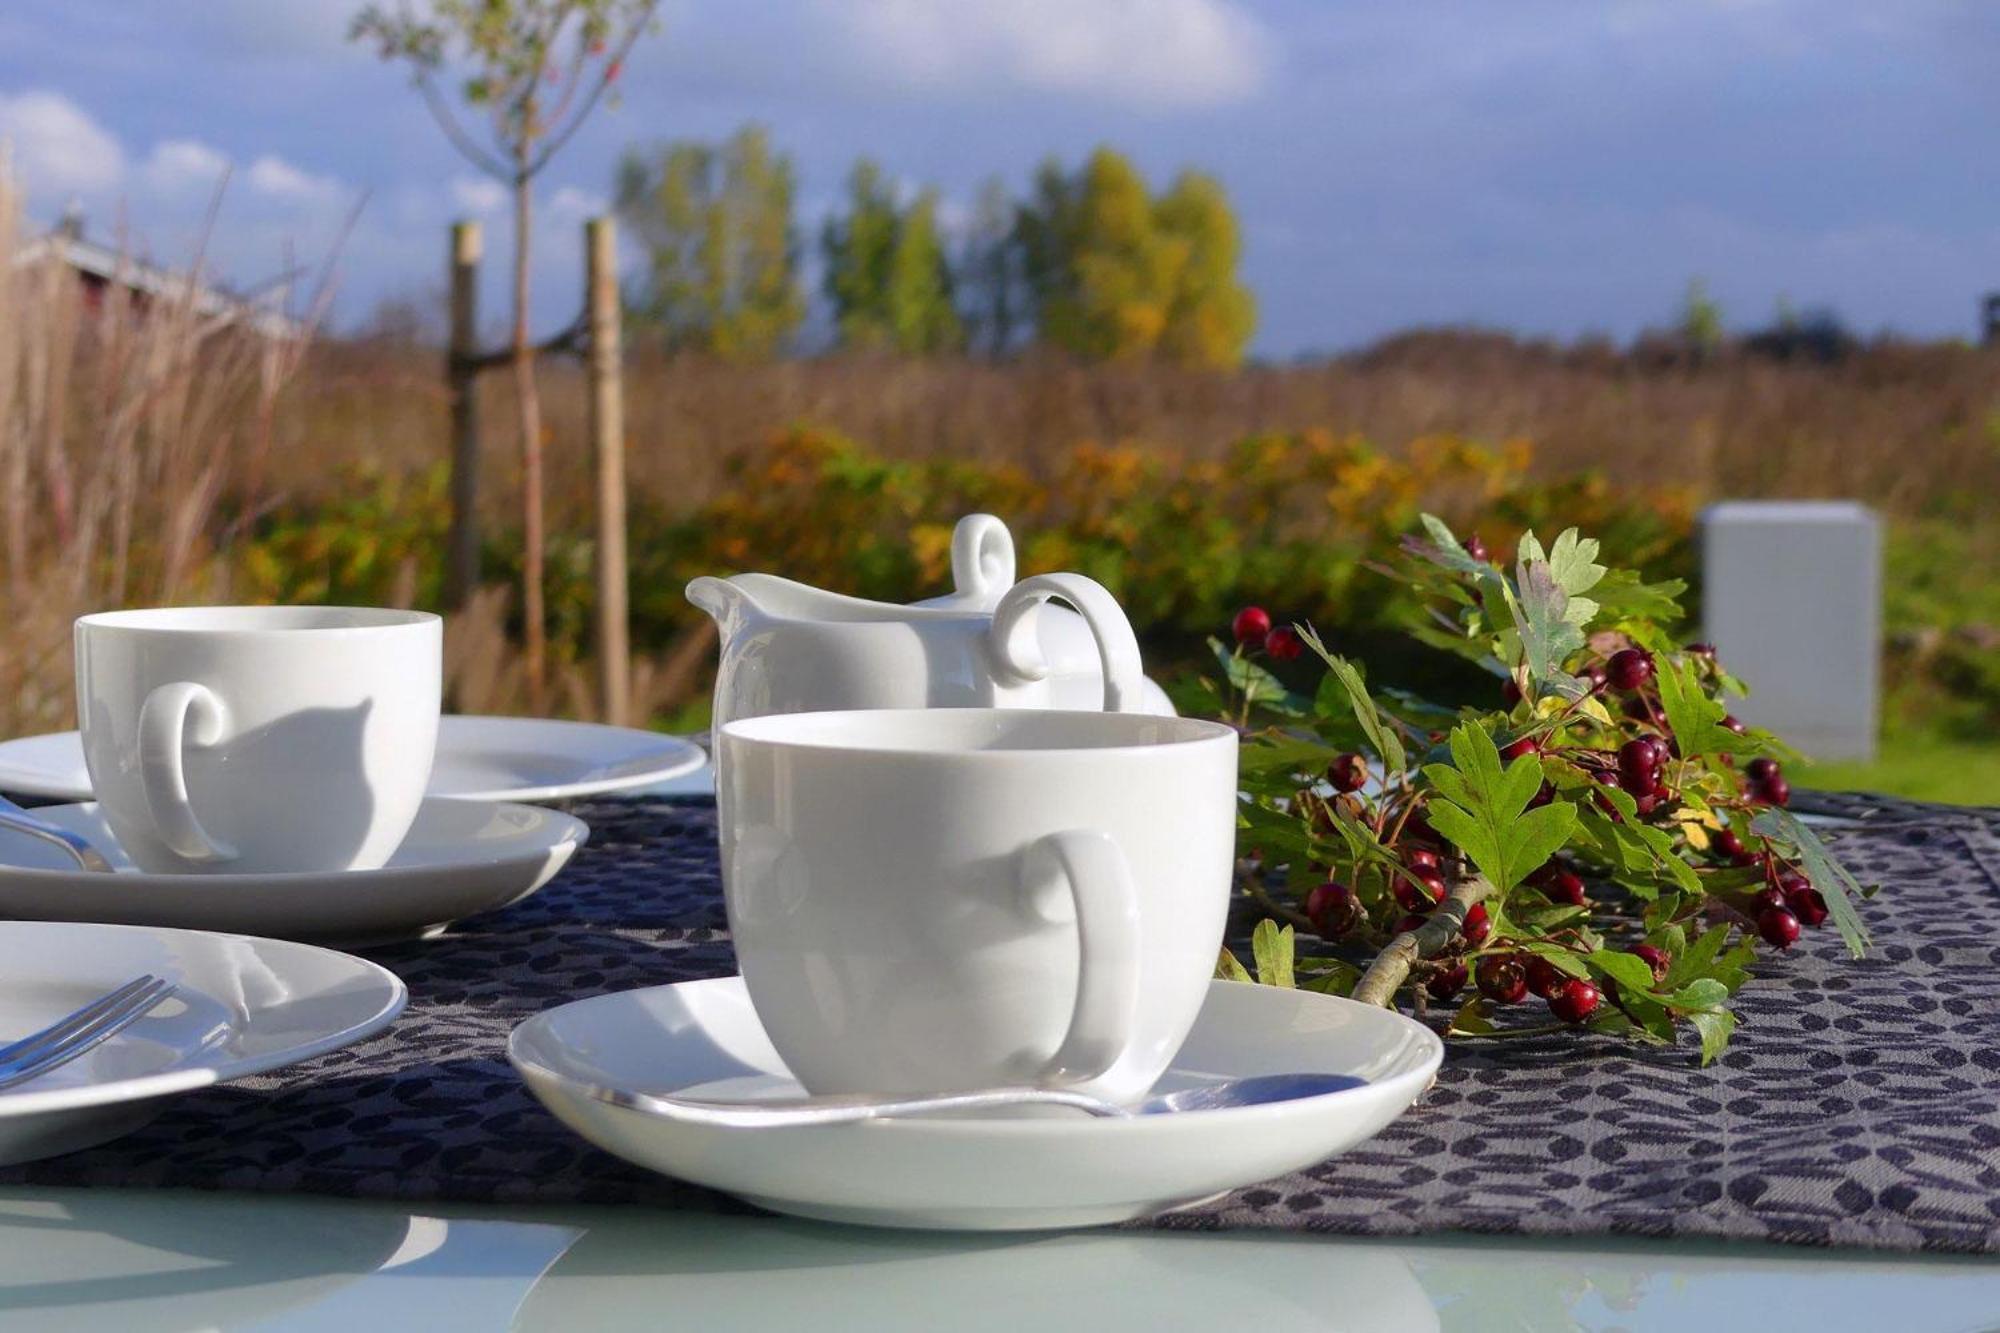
(1792, 600)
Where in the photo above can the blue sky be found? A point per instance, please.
(1554, 166)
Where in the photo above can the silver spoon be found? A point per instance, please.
(75, 845)
(788, 1112)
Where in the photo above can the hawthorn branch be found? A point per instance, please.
(1391, 968)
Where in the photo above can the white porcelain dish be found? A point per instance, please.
(478, 759)
(244, 1006)
(460, 858)
(995, 1174)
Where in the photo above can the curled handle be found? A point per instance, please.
(173, 716)
(982, 558)
(1106, 901)
(1018, 648)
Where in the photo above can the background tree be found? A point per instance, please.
(887, 273)
(534, 70)
(1118, 267)
(1212, 314)
(721, 252)
(990, 282)
(1701, 322)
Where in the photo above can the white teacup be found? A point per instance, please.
(230, 739)
(931, 900)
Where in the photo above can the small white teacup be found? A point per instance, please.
(933, 900)
(269, 739)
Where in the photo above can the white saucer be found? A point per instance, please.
(973, 1174)
(245, 1006)
(460, 858)
(478, 759)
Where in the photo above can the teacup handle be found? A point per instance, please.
(1106, 902)
(982, 558)
(1019, 649)
(171, 716)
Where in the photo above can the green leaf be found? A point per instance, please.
(1701, 993)
(1227, 968)
(1827, 875)
(1714, 1025)
(1573, 563)
(1443, 548)
(1483, 809)
(1271, 950)
(1694, 718)
(1388, 746)
(1548, 636)
(1629, 970)
(1622, 594)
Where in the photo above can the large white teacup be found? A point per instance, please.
(931, 900)
(230, 739)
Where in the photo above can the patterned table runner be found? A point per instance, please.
(1859, 1103)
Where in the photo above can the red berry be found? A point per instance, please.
(1636, 708)
(1515, 749)
(1510, 692)
(1409, 922)
(1348, 772)
(1762, 769)
(1728, 843)
(1596, 675)
(1284, 644)
(1564, 886)
(1543, 795)
(1574, 1001)
(1448, 982)
(1775, 792)
(1663, 750)
(1630, 668)
(1475, 547)
(1730, 721)
(1477, 926)
(1252, 623)
(1765, 900)
(1420, 859)
(1502, 979)
(1701, 650)
(1544, 977)
(1656, 959)
(1333, 908)
(1778, 926)
(1639, 784)
(1646, 804)
(1420, 894)
(1637, 757)
(1807, 904)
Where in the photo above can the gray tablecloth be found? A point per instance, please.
(1858, 1105)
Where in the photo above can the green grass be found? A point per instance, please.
(1922, 767)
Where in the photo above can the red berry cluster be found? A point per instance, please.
(1764, 782)
(1255, 633)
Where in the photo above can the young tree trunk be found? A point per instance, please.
(530, 404)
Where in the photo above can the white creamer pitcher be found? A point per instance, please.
(994, 643)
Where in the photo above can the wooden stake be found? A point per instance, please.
(607, 431)
(462, 387)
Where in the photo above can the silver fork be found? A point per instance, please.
(67, 1038)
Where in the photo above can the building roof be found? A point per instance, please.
(66, 244)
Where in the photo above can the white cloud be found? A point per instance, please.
(279, 179)
(572, 205)
(57, 147)
(477, 194)
(1152, 53)
(177, 165)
